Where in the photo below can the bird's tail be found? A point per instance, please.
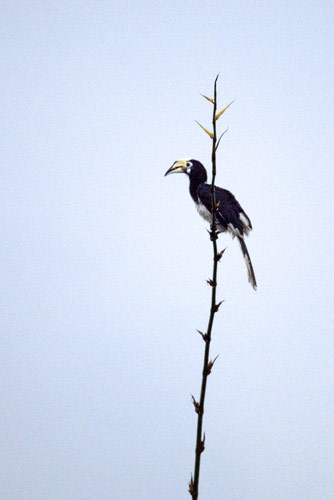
(250, 270)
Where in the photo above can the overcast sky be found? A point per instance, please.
(104, 260)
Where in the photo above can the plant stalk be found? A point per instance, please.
(207, 365)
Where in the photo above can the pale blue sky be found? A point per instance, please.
(104, 260)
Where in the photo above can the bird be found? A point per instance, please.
(230, 216)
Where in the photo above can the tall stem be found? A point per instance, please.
(207, 365)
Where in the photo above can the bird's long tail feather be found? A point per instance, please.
(250, 270)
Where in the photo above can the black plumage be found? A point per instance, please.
(229, 215)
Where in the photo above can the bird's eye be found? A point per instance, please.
(189, 164)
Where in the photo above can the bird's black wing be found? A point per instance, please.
(230, 214)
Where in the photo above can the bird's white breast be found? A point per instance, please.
(204, 212)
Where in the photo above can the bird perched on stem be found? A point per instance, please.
(229, 214)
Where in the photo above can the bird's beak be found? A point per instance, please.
(178, 167)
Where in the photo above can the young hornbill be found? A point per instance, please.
(229, 215)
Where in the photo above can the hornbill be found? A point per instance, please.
(229, 215)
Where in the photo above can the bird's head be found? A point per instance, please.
(193, 168)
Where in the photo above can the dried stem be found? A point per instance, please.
(207, 364)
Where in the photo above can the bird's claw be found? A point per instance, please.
(213, 235)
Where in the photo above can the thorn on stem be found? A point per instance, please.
(210, 365)
(211, 282)
(220, 254)
(192, 486)
(203, 335)
(217, 306)
(196, 405)
(202, 448)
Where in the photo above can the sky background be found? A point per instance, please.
(104, 261)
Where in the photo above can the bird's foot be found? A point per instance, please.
(213, 235)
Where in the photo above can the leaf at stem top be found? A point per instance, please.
(218, 142)
(208, 98)
(205, 130)
(218, 115)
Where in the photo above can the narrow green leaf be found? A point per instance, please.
(218, 115)
(205, 130)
